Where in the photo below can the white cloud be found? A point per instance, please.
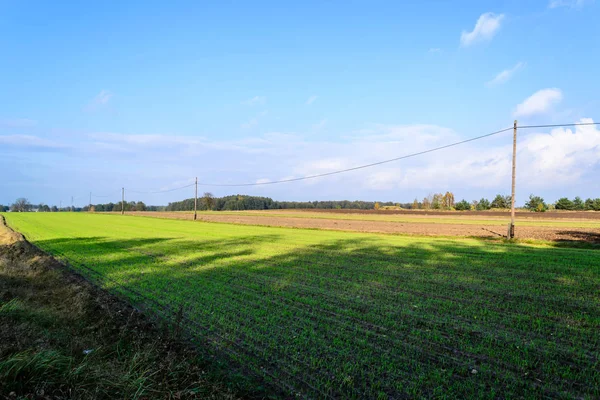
(548, 160)
(485, 28)
(173, 144)
(545, 160)
(505, 75)
(253, 122)
(30, 141)
(100, 100)
(576, 4)
(319, 125)
(103, 97)
(256, 100)
(145, 140)
(310, 100)
(18, 123)
(323, 166)
(418, 135)
(435, 50)
(539, 102)
(562, 156)
(177, 184)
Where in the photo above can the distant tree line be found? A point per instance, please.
(577, 204)
(438, 201)
(129, 206)
(445, 201)
(23, 205)
(242, 202)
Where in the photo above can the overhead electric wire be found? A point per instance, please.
(161, 191)
(557, 125)
(397, 158)
(357, 167)
(362, 166)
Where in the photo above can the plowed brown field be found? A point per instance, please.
(431, 228)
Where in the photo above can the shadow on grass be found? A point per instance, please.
(583, 236)
(361, 318)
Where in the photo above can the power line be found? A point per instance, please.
(362, 166)
(397, 158)
(558, 125)
(161, 191)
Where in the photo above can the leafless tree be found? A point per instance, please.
(21, 205)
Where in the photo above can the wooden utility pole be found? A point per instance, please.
(196, 201)
(122, 201)
(71, 203)
(511, 233)
(90, 209)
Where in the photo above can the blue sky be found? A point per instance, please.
(148, 95)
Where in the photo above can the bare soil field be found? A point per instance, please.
(547, 233)
(593, 215)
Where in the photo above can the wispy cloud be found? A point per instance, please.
(30, 142)
(18, 123)
(485, 28)
(253, 122)
(549, 160)
(320, 125)
(311, 100)
(539, 102)
(100, 100)
(576, 4)
(256, 100)
(505, 75)
(435, 50)
(145, 140)
(103, 97)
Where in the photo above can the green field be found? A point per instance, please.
(326, 314)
